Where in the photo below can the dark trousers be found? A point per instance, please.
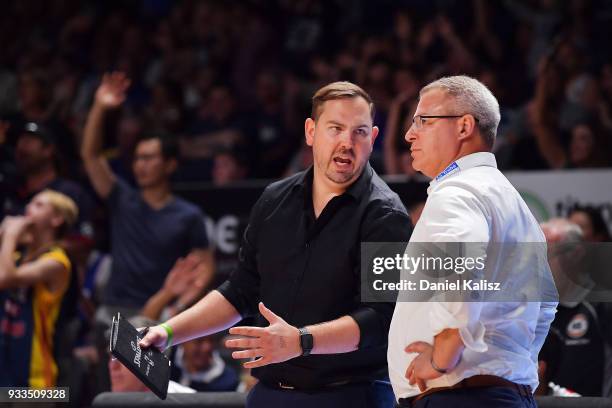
(485, 397)
(376, 395)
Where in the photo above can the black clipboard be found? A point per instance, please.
(150, 365)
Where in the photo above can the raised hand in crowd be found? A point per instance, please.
(112, 90)
(110, 94)
(183, 279)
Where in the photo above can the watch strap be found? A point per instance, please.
(306, 341)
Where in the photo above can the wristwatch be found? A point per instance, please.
(306, 341)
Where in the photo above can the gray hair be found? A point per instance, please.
(473, 97)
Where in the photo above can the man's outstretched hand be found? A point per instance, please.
(273, 344)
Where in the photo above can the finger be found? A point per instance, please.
(409, 369)
(416, 347)
(268, 314)
(260, 362)
(421, 384)
(246, 343)
(248, 331)
(192, 259)
(258, 352)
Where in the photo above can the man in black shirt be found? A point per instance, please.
(299, 269)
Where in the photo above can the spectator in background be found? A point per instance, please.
(572, 353)
(198, 365)
(591, 222)
(301, 160)
(32, 285)
(229, 166)
(182, 287)
(37, 104)
(396, 155)
(270, 120)
(151, 228)
(217, 124)
(36, 159)
(595, 230)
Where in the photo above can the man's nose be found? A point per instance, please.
(346, 139)
(410, 135)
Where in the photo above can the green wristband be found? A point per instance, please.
(169, 332)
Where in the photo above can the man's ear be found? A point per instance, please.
(375, 131)
(309, 131)
(467, 127)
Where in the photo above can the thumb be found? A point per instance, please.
(145, 341)
(268, 314)
(416, 347)
(152, 338)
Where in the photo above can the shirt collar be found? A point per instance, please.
(463, 163)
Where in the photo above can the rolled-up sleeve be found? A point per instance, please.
(463, 316)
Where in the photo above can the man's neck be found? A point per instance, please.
(462, 152)
(157, 196)
(39, 180)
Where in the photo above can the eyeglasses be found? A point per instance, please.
(420, 120)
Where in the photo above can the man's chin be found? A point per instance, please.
(340, 178)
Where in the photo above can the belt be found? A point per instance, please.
(477, 381)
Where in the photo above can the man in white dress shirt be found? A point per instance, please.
(469, 354)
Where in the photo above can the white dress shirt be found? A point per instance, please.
(472, 201)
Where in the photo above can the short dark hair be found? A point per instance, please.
(339, 90)
(169, 146)
(597, 220)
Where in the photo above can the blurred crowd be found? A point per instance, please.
(225, 88)
(232, 82)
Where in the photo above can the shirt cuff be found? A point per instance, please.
(370, 328)
(462, 316)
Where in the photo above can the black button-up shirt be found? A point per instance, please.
(307, 270)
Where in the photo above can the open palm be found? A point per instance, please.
(111, 92)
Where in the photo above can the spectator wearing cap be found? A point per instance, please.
(36, 165)
(35, 160)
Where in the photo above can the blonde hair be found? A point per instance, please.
(63, 205)
(338, 90)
